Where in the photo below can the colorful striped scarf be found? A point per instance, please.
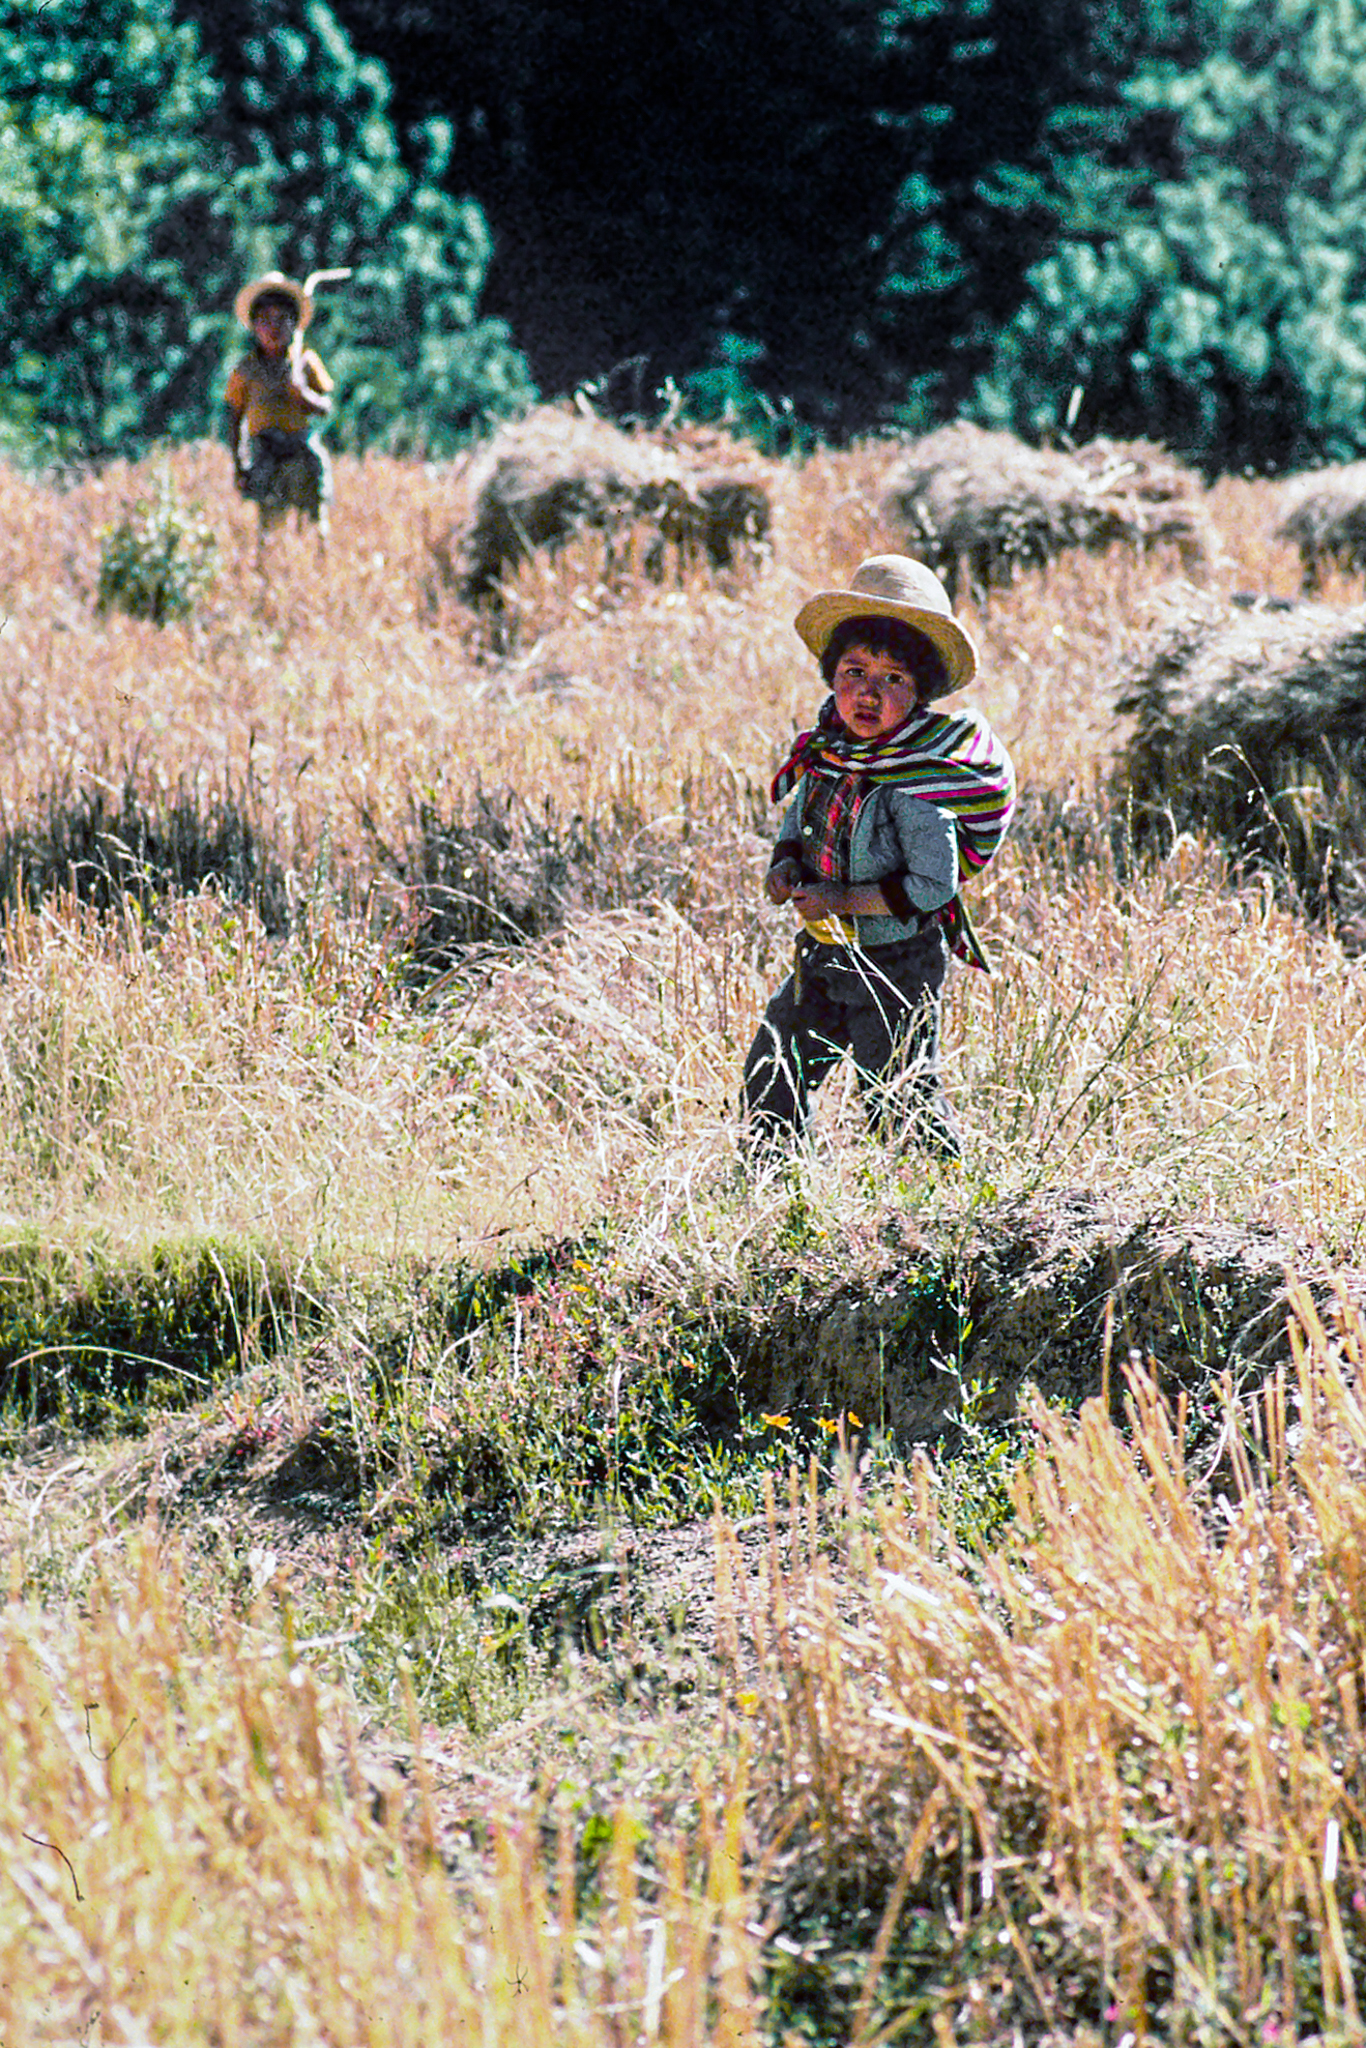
(954, 761)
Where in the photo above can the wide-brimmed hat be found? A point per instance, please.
(894, 587)
(278, 286)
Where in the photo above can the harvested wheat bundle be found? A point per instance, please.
(963, 495)
(1142, 496)
(731, 487)
(560, 471)
(1251, 725)
(1325, 518)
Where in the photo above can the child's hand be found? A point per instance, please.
(821, 899)
(782, 879)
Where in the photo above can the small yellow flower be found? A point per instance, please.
(856, 1421)
(775, 1421)
(748, 1703)
(827, 1424)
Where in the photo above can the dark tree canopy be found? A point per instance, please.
(1142, 216)
(821, 181)
(1206, 280)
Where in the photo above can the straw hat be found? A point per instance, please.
(283, 287)
(894, 587)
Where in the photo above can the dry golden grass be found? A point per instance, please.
(1122, 1761)
(219, 1076)
(1121, 1757)
(193, 1851)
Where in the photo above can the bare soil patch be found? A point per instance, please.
(1057, 1290)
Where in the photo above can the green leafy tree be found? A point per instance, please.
(804, 190)
(138, 189)
(103, 185)
(1213, 295)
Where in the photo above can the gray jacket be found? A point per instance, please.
(901, 841)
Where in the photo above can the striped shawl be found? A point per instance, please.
(952, 760)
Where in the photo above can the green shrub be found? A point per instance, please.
(159, 560)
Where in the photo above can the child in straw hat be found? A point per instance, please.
(277, 396)
(893, 805)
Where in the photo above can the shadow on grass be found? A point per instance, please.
(95, 1345)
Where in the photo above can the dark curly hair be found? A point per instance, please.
(271, 296)
(903, 643)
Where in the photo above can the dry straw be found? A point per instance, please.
(1124, 1754)
(195, 1847)
(1249, 725)
(984, 503)
(627, 748)
(562, 471)
(1324, 516)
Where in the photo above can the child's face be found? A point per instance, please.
(273, 325)
(873, 692)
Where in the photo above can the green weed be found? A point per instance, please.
(468, 1657)
(159, 559)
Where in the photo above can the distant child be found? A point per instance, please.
(277, 397)
(893, 804)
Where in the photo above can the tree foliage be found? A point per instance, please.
(139, 187)
(815, 192)
(1143, 218)
(1208, 279)
(100, 180)
(909, 208)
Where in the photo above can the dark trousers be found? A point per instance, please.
(881, 1005)
(288, 471)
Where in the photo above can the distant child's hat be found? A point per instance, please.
(894, 587)
(274, 285)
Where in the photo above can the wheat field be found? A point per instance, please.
(1098, 1780)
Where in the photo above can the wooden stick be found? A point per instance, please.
(316, 277)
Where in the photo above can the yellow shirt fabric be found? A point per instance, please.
(832, 931)
(259, 392)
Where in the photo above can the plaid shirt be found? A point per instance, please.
(830, 811)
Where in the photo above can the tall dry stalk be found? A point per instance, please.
(1125, 1753)
(195, 1849)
